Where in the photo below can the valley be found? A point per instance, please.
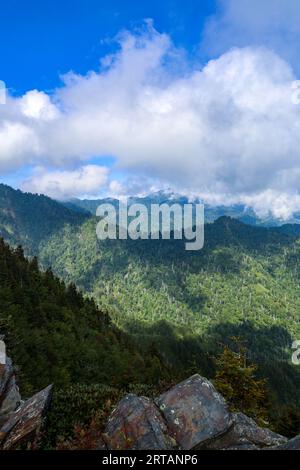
(244, 282)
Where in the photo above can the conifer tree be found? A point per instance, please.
(236, 380)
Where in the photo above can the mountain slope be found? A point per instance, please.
(212, 212)
(27, 219)
(55, 335)
(245, 282)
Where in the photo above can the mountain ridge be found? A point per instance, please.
(27, 218)
(212, 212)
(244, 282)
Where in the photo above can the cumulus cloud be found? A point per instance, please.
(230, 128)
(37, 105)
(239, 23)
(283, 204)
(86, 180)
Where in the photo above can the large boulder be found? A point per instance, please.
(24, 424)
(6, 371)
(11, 400)
(9, 391)
(137, 424)
(19, 421)
(245, 434)
(292, 444)
(194, 412)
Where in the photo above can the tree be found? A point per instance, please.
(235, 379)
(288, 422)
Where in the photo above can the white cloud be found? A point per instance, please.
(283, 204)
(86, 180)
(230, 128)
(272, 23)
(18, 144)
(37, 105)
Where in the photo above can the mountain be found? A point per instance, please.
(27, 219)
(244, 282)
(212, 212)
(55, 334)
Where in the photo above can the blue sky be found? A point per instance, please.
(39, 40)
(126, 97)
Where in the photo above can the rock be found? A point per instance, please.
(2, 351)
(194, 412)
(6, 371)
(292, 444)
(9, 391)
(137, 424)
(18, 420)
(25, 422)
(245, 434)
(10, 401)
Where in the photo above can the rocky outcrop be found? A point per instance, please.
(24, 423)
(19, 421)
(194, 412)
(9, 392)
(292, 444)
(191, 415)
(137, 424)
(245, 434)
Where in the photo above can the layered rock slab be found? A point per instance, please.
(194, 412)
(137, 424)
(25, 423)
(9, 391)
(244, 434)
(292, 444)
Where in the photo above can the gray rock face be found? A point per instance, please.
(191, 415)
(25, 422)
(11, 399)
(194, 412)
(137, 424)
(9, 391)
(292, 444)
(245, 434)
(6, 371)
(18, 421)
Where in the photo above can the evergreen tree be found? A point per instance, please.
(236, 380)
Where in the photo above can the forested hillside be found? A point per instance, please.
(237, 211)
(56, 335)
(27, 219)
(245, 282)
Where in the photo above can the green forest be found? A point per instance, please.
(117, 315)
(54, 334)
(245, 282)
